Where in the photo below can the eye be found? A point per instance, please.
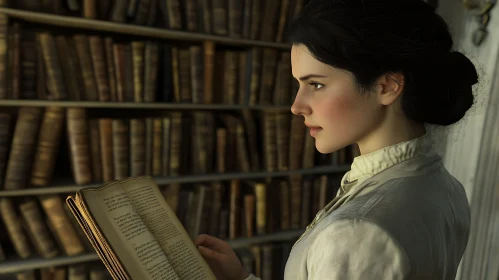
(316, 86)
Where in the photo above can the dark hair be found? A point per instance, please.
(370, 38)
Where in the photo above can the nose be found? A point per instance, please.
(300, 106)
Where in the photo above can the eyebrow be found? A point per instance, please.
(306, 77)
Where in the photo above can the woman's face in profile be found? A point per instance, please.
(331, 103)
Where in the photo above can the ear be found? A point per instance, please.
(390, 87)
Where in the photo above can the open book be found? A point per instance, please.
(136, 234)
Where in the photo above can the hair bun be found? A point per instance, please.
(461, 68)
(460, 76)
(444, 93)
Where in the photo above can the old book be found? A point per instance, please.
(119, 68)
(295, 183)
(55, 85)
(151, 57)
(282, 140)
(135, 232)
(285, 205)
(46, 148)
(77, 128)
(95, 152)
(141, 16)
(191, 14)
(118, 11)
(5, 133)
(235, 208)
(61, 225)
(106, 147)
(137, 147)
(175, 144)
(149, 140)
(255, 22)
(283, 20)
(231, 61)
(261, 208)
(197, 73)
(82, 44)
(235, 18)
(308, 152)
(23, 148)
(26, 275)
(206, 18)
(14, 61)
(41, 69)
(157, 142)
(249, 214)
(184, 71)
(138, 70)
(35, 222)
(219, 14)
(165, 149)
(70, 67)
(14, 228)
(174, 14)
(98, 56)
(121, 140)
(267, 81)
(3, 55)
(77, 272)
(108, 49)
(209, 72)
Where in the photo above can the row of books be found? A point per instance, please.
(266, 261)
(251, 19)
(90, 67)
(38, 143)
(44, 227)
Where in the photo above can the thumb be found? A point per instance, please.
(210, 254)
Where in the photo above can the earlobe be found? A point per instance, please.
(392, 85)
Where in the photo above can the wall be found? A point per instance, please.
(471, 152)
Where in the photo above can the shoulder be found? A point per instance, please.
(356, 249)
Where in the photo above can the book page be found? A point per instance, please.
(169, 232)
(127, 234)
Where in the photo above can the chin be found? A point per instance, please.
(324, 148)
(327, 147)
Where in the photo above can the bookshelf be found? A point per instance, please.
(238, 140)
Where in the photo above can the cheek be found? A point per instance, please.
(340, 111)
(345, 118)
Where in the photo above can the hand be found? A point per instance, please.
(221, 258)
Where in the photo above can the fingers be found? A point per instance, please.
(210, 254)
(212, 243)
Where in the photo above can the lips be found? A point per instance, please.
(314, 129)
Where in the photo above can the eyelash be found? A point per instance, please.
(314, 85)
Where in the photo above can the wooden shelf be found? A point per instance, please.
(139, 106)
(71, 188)
(136, 30)
(9, 267)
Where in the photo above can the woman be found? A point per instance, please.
(374, 72)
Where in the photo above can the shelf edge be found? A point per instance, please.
(130, 29)
(10, 267)
(181, 180)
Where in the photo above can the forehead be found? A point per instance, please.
(303, 63)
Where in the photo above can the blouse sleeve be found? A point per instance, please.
(356, 249)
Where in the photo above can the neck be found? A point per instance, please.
(391, 133)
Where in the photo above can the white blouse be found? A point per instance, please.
(388, 200)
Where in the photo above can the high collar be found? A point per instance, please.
(368, 165)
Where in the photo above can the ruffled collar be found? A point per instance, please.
(368, 165)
